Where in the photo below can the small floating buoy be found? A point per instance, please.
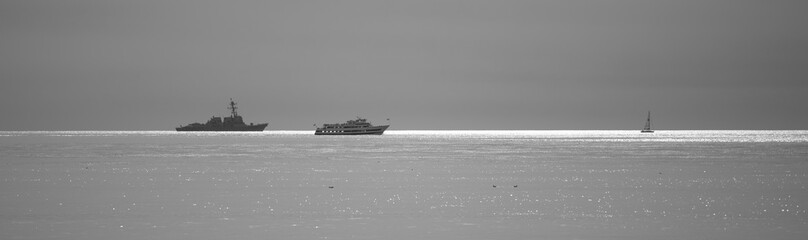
(515, 185)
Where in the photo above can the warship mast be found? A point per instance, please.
(233, 108)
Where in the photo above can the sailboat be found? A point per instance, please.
(647, 128)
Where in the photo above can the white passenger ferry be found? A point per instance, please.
(360, 126)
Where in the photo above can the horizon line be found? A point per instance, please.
(423, 130)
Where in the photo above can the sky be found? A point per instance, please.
(425, 65)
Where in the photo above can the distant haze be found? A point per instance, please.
(465, 64)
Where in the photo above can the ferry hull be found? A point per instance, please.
(375, 130)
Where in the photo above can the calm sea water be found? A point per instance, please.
(404, 185)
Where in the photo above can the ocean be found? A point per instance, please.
(404, 185)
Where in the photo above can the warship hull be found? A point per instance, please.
(245, 128)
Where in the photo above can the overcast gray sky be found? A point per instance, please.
(465, 64)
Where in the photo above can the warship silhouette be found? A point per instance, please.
(232, 123)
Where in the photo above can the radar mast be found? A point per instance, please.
(233, 108)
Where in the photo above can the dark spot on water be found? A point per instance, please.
(515, 185)
(495, 185)
(330, 186)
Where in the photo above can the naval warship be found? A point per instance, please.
(360, 126)
(232, 123)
